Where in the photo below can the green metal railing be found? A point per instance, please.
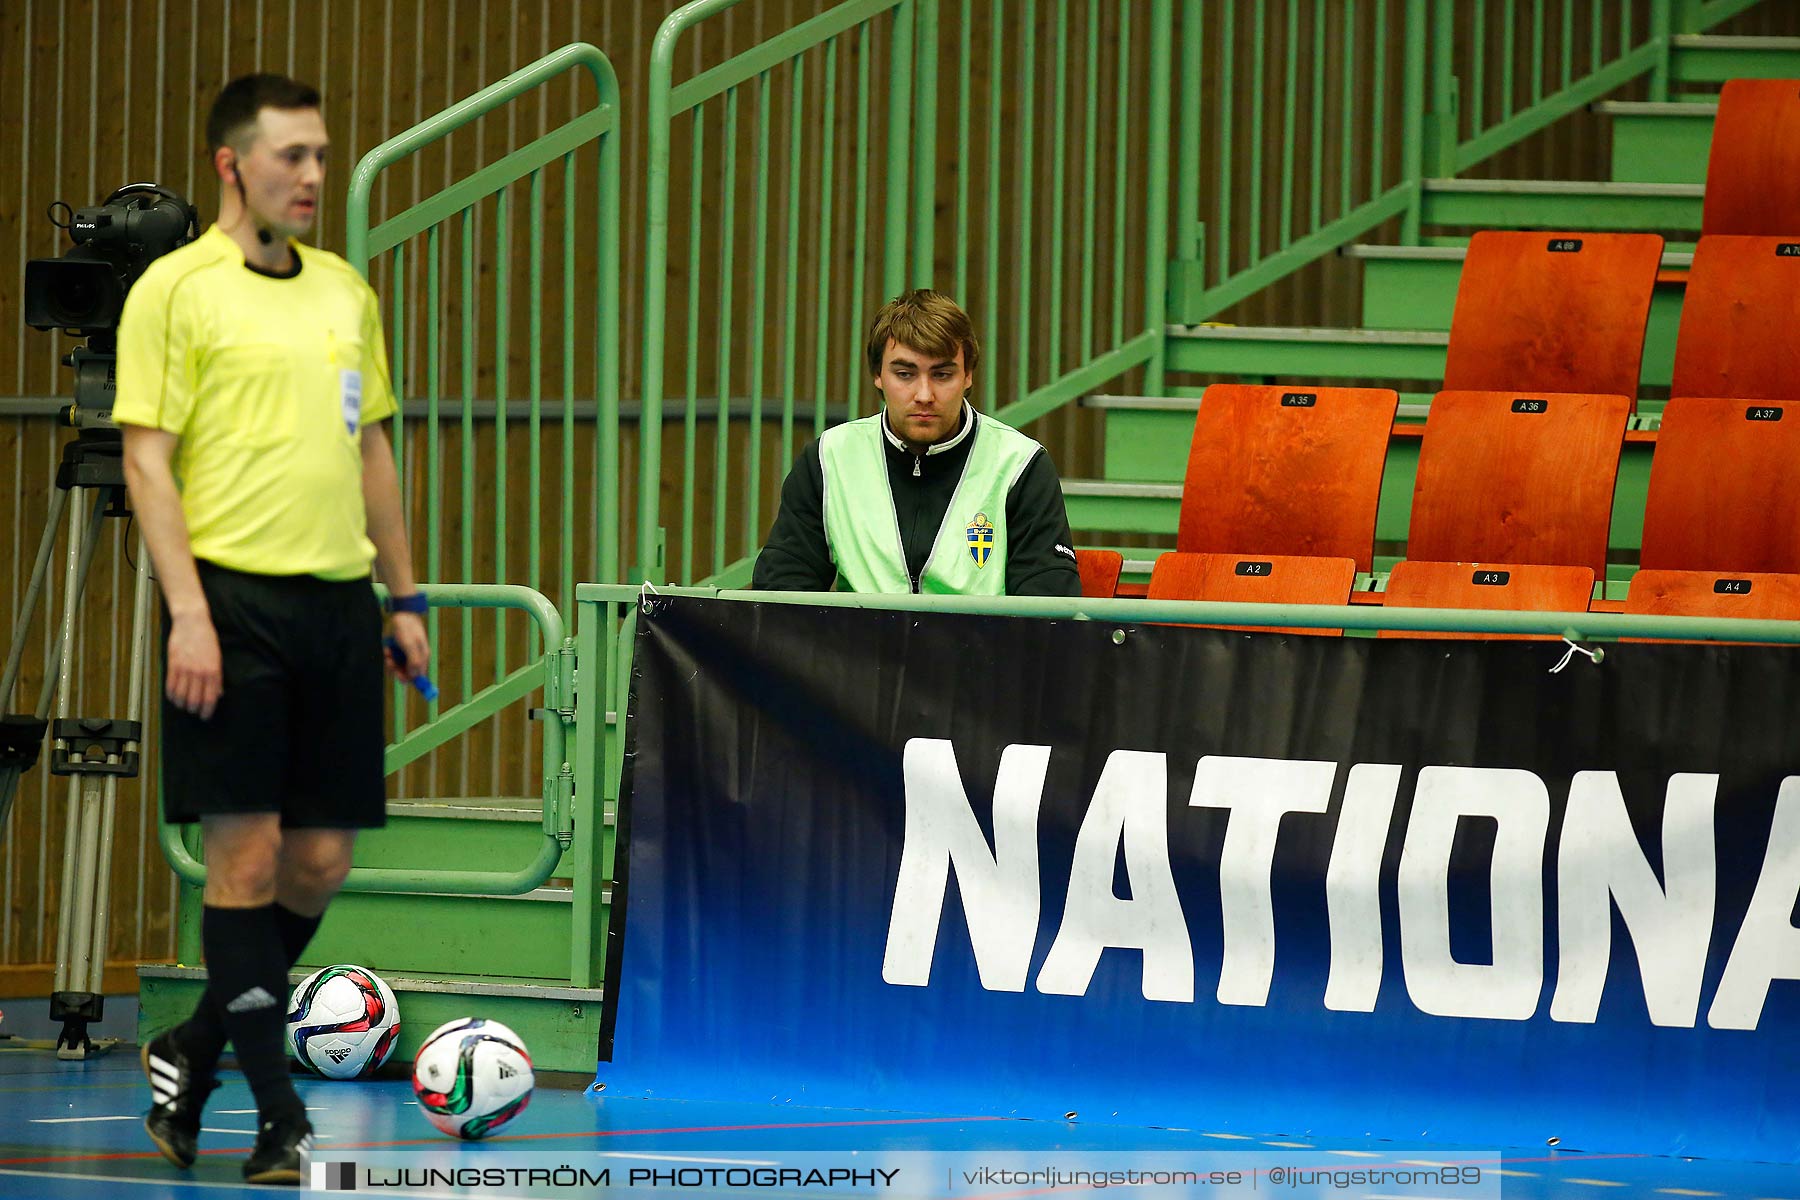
(1292, 102)
(756, 126)
(799, 126)
(1079, 174)
(1064, 257)
(482, 330)
(1504, 69)
(1297, 101)
(554, 673)
(1693, 16)
(1586, 627)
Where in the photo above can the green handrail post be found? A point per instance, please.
(924, 138)
(901, 44)
(1156, 217)
(1443, 116)
(188, 911)
(1187, 171)
(1420, 129)
(661, 80)
(1661, 21)
(606, 367)
(1187, 271)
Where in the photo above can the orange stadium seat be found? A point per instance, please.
(1286, 471)
(1099, 572)
(1738, 320)
(1517, 478)
(1724, 489)
(1753, 595)
(1264, 579)
(1753, 173)
(1514, 586)
(1552, 312)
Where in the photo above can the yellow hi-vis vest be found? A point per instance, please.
(862, 531)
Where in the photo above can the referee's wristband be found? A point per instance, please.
(414, 603)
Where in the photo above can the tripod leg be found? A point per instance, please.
(84, 914)
(78, 1003)
(80, 560)
(95, 982)
(9, 788)
(33, 592)
(11, 770)
(81, 829)
(102, 922)
(59, 675)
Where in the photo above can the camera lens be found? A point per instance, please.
(72, 293)
(74, 298)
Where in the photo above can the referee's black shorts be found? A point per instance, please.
(298, 728)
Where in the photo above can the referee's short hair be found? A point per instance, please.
(234, 112)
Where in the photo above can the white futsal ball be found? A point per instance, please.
(472, 1076)
(342, 1022)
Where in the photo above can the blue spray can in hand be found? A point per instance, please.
(426, 688)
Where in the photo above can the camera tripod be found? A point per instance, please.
(93, 752)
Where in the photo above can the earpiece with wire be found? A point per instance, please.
(237, 179)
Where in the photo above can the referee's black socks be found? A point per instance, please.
(296, 931)
(202, 1036)
(247, 966)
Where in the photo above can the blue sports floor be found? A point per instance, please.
(71, 1130)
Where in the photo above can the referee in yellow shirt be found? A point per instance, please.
(253, 390)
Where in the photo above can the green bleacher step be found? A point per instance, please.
(559, 1023)
(1715, 58)
(1275, 353)
(1414, 287)
(1659, 141)
(482, 833)
(1104, 505)
(525, 936)
(1560, 204)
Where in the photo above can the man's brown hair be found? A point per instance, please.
(234, 112)
(925, 320)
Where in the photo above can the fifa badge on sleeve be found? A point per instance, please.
(351, 383)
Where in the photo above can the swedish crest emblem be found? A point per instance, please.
(981, 539)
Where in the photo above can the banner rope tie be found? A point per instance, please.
(1597, 654)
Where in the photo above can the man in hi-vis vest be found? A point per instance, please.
(927, 495)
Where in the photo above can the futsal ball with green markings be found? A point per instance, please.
(342, 1022)
(472, 1076)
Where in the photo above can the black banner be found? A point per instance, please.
(1213, 879)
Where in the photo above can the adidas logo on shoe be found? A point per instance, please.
(178, 1095)
(165, 1080)
(250, 1001)
(276, 1156)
